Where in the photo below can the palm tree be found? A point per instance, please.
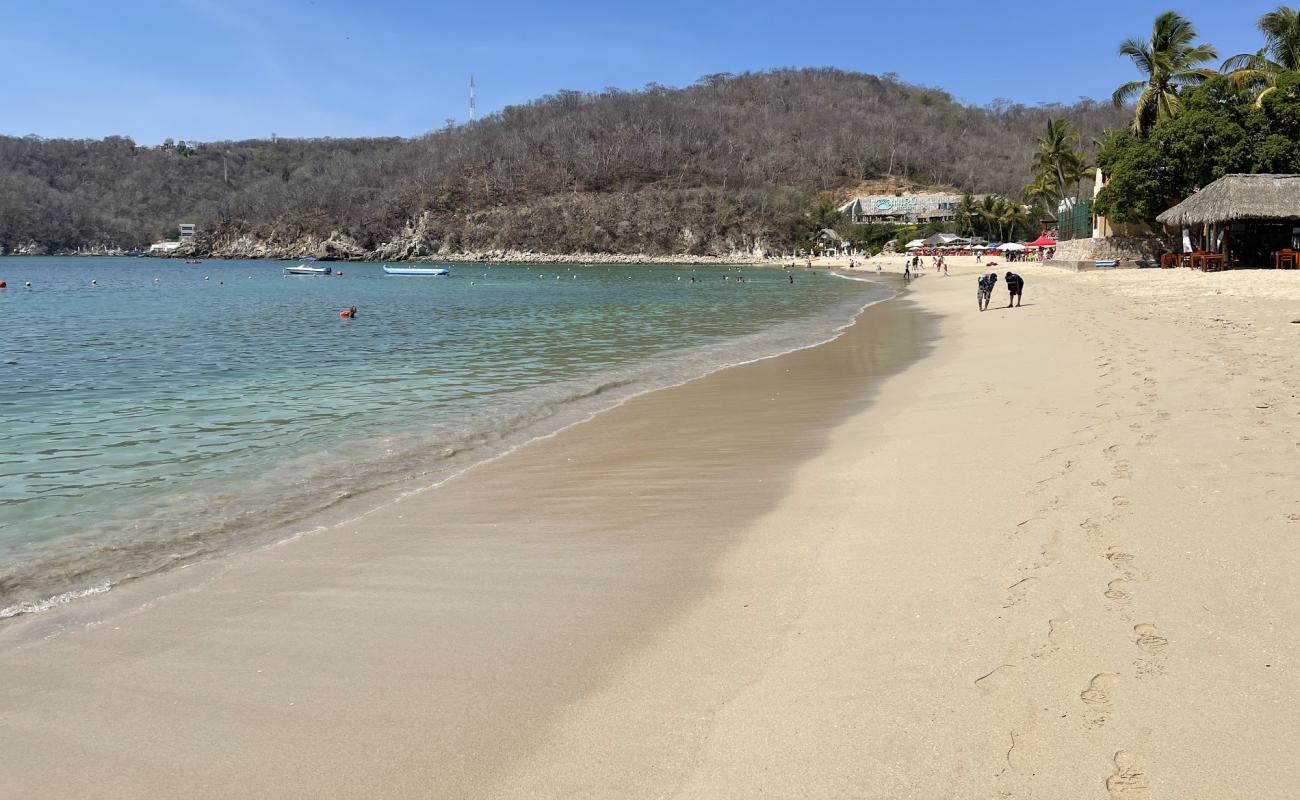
(1281, 53)
(990, 210)
(1043, 189)
(1169, 62)
(967, 210)
(1013, 214)
(1057, 159)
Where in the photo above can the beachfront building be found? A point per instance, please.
(184, 235)
(902, 209)
(1239, 221)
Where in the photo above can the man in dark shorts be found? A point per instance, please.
(1016, 286)
(987, 281)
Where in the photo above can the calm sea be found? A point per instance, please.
(154, 412)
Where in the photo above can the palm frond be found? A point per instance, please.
(1127, 92)
(1240, 62)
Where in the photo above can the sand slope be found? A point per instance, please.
(1056, 559)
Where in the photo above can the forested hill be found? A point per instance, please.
(723, 165)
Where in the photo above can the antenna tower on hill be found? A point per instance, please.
(473, 101)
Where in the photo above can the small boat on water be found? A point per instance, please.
(303, 269)
(427, 271)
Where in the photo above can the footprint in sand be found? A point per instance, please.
(1128, 780)
(1049, 644)
(1098, 697)
(1119, 559)
(1149, 640)
(1119, 508)
(1115, 591)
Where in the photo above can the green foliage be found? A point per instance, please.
(1220, 131)
(1280, 54)
(1168, 61)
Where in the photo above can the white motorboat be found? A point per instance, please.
(303, 269)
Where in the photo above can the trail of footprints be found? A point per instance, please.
(1098, 696)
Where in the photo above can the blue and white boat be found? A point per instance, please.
(426, 271)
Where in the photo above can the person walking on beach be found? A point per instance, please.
(1016, 288)
(986, 283)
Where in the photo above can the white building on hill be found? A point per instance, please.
(903, 209)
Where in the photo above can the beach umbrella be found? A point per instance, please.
(1011, 246)
(1043, 241)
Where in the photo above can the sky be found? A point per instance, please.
(209, 70)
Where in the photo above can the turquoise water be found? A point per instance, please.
(168, 411)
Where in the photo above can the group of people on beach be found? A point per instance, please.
(988, 280)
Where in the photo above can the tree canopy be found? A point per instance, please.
(1220, 130)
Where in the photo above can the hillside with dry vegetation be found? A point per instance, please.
(730, 163)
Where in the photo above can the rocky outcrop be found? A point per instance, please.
(417, 242)
(414, 241)
(37, 249)
(339, 247)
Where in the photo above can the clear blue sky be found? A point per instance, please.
(228, 69)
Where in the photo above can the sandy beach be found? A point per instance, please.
(1027, 553)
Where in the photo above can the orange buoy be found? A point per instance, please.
(343, 314)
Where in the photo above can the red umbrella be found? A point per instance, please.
(1042, 241)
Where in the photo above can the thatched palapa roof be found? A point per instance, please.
(1235, 197)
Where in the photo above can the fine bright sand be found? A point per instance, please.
(1047, 552)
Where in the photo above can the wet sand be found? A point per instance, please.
(1029, 553)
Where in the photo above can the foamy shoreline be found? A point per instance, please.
(144, 557)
